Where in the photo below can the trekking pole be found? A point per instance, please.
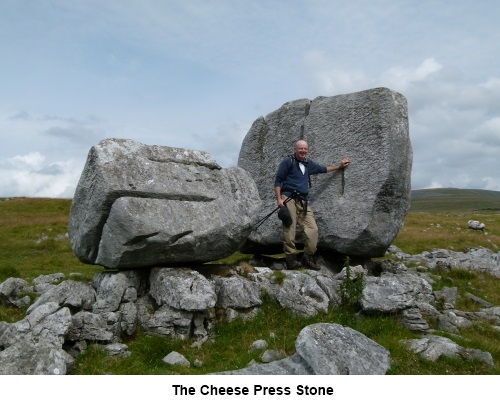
(261, 221)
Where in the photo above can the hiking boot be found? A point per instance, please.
(309, 262)
(291, 262)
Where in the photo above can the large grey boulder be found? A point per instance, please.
(359, 210)
(138, 206)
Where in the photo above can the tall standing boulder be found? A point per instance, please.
(359, 210)
(139, 205)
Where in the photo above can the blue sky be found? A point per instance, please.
(196, 74)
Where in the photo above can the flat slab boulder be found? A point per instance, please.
(359, 210)
(139, 206)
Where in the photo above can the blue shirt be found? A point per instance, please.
(290, 178)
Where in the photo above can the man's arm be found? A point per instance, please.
(279, 200)
(342, 165)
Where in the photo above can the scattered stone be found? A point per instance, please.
(476, 225)
(480, 301)
(176, 359)
(117, 350)
(271, 355)
(257, 345)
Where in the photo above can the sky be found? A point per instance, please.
(195, 74)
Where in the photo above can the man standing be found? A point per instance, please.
(292, 180)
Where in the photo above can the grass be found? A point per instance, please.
(424, 230)
(33, 243)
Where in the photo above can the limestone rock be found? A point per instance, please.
(236, 292)
(34, 344)
(433, 347)
(474, 259)
(257, 345)
(301, 293)
(48, 323)
(182, 289)
(167, 321)
(139, 206)
(447, 297)
(112, 287)
(174, 358)
(335, 349)
(392, 293)
(25, 358)
(476, 225)
(91, 327)
(11, 291)
(359, 210)
(70, 293)
(451, 322)
(117, 350)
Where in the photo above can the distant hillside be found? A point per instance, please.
(454, 199)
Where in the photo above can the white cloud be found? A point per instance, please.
(29, 176)
(329, 78)
(402, 78)
(224, 144)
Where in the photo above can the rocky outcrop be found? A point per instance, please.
(359, 210)
(139, 206)
(184, 303)
(474, 259)
(433, 347)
